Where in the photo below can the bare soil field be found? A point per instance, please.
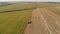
(57, 7)
(43, 22)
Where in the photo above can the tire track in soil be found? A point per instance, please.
(43, 22)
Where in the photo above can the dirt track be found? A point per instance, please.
(43, 22)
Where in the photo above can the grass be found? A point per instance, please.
(16, 7)
(50, 6)
(55, 10)
(46, 5)
(14, 22)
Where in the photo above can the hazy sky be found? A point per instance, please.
(31, 0)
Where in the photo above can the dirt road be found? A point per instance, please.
(43, 22)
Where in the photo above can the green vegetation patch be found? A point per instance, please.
(16, 7)
(50, 6)
(14, 22)
(46, 5)
(55, 10)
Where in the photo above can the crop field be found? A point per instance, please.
(44, 19)
(55, 10)
(54, 7)
(16, 7)
(14, 22)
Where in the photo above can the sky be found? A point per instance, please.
(32, 0)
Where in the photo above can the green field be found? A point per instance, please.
(16, 7)
(31, 5)
(55, 10)
(14, 22)
(50, 6)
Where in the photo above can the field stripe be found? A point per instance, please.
(50, 32)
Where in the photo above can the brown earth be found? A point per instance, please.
(57, 7)
(43, 22)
